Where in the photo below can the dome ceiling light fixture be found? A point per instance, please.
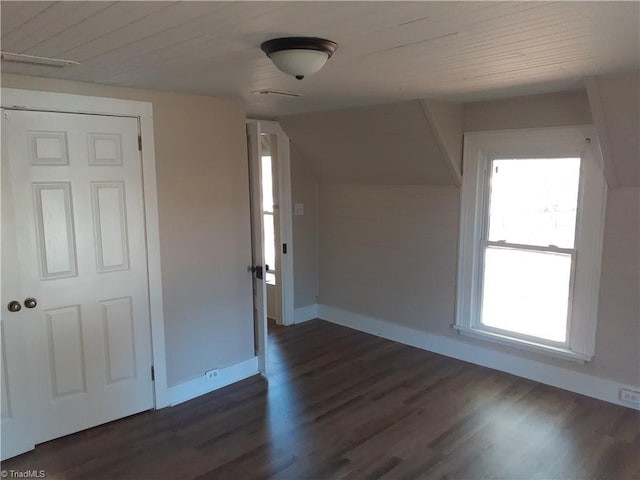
(299, 56)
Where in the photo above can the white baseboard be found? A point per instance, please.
(559, 377)
(199, 386)
(304, 314)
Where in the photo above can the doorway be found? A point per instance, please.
(271, 209)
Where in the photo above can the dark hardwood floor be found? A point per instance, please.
(341, 404)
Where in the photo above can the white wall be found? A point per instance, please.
(618, 338)
(304, 190)
(371, 145)
(205, 238)
(389, 252)
(548, 110)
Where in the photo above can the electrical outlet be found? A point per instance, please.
(212, 374)
(630, 396)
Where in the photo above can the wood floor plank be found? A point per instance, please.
(341, 404)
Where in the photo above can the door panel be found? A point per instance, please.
(109, 219)
(82, 255)
(257, 242)
(119, 339)
(66, 351)
(55, 233)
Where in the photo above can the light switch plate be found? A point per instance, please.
(298, 209)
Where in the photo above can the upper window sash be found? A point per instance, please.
(523, 179)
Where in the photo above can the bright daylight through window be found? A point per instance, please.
(531, 238)
(269, 223)
(529, 250)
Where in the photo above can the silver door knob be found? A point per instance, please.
(30, 302)
(14, 306)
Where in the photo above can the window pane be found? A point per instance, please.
(534, 201)
(267, 184)
(526, 292)
(269, 242)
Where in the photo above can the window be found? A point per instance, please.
(269, 221)
(531, 239)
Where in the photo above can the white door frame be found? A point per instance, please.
(283, 199)
(16, 99)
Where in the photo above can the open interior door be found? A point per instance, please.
(257, 241)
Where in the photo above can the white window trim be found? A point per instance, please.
(574, 141)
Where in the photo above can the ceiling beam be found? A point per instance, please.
(600, 123)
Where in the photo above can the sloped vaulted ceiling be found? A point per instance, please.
(619, 128)
(420, 142)
(390, 144)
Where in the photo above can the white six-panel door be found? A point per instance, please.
(79, 223)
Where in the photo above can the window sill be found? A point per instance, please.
(523, 344)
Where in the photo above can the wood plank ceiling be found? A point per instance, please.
(388, 51)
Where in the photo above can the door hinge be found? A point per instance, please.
(153, 374)
(140, 142)
(284, 248)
